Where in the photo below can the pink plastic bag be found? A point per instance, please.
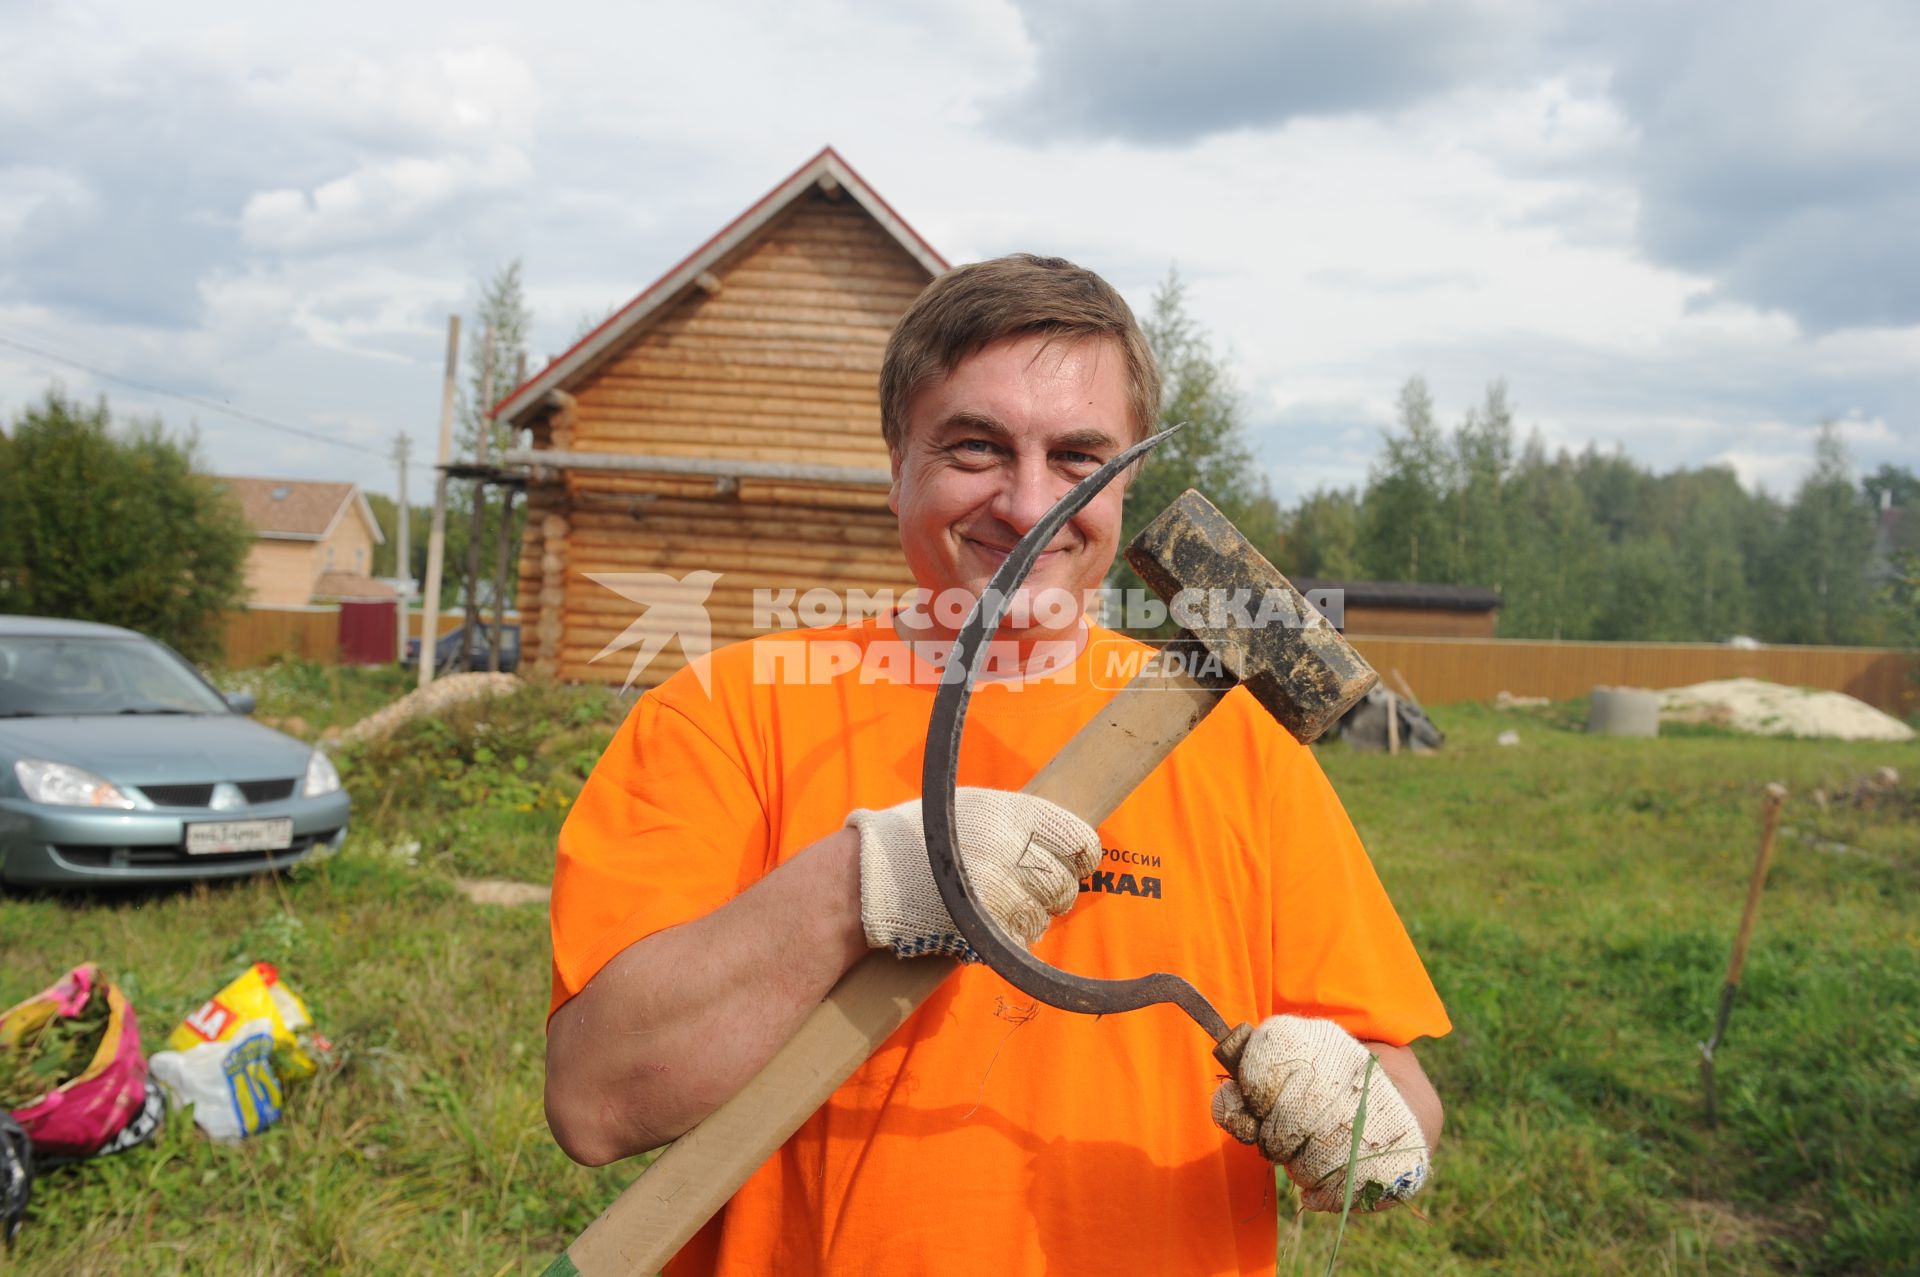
(82, 1114)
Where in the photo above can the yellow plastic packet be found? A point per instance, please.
(257, 994)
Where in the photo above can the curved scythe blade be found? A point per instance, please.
(941, 769)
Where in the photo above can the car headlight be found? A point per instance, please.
(321, 776)
(66, 786)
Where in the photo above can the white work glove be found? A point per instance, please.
(1024, 858)
(1298, 1091)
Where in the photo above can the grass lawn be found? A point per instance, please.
(1575, 899)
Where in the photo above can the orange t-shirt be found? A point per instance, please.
(990, 1135)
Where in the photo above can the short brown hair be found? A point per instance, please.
(968, 309)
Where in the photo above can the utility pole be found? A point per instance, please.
(437, 532)
(403, 550)
(500, 560)
(481, 451)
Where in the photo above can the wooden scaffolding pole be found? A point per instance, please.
(477, 526)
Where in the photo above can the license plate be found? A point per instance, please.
(214, 836)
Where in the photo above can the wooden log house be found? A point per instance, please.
(727, 420)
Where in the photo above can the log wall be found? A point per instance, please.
(780, 364)
(751, 545)
(773, 356)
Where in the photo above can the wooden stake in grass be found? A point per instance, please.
(1769, 825)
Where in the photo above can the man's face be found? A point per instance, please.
(987, 451)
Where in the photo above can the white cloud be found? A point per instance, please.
(1774, 471)
(372, 312)
(265, 208)
(379, 202)
(1563, 124)
(31, 191)
(462, 98)
(1859, 431)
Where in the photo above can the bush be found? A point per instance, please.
(116, 527)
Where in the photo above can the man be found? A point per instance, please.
(735, 852)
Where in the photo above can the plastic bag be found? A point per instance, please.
(235, 1056)
(82, 1114)
(257, 993)
(232, 1084)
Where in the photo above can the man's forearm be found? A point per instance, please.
(1403, 1069)
(678, 1022)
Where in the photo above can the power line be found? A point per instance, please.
(210, 404)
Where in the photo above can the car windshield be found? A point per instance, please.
(47, 676)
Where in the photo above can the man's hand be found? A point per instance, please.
(1296, 1099)
(1024, 857)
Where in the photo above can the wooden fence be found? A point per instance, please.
(1443, 670)
(261, 635)
(1439, 670)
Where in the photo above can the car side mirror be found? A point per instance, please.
(240, 702)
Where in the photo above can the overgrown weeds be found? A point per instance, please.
(483, 788)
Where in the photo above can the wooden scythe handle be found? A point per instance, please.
(696, 1175)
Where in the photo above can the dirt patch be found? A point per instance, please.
(1760, 708)
(503, 891)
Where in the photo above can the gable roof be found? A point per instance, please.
(298, 509)
(825, 169)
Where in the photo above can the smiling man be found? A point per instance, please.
(737, 849)
(982, 450)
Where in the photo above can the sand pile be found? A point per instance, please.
(1771, 709)
(448, 689)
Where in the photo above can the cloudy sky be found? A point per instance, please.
(1689, 231)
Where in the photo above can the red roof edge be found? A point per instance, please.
(707, 243)
(881, 200)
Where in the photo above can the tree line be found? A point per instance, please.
(1594, 545)
(1579, 545)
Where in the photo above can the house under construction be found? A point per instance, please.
(727, 421)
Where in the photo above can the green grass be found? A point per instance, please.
(424, 1148)
(1575, 899)
(307, 698)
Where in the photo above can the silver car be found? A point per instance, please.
(119, 763)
